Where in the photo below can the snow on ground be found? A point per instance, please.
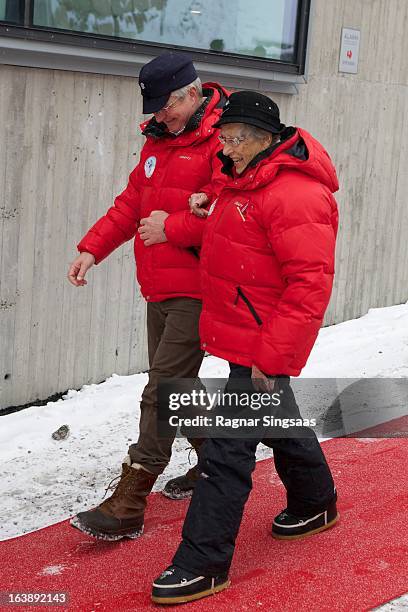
(397, 605)
(43, 481)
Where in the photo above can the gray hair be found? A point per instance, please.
(259, 134)
(183, 91)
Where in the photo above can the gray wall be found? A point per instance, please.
(68, 141)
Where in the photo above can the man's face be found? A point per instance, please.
(241, 147)
(177, 111)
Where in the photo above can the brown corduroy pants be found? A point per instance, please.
(174, 352)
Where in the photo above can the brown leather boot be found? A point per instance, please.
(122, 514)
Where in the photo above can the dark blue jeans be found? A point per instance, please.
(215, 513)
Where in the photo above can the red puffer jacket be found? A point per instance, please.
(169, 170)
(268, 257)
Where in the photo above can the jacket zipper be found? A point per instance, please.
(241, 294)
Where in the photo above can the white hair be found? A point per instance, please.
(258, 133)
(183, 91)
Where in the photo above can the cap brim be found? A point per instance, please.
(153, 105)
(249, 121)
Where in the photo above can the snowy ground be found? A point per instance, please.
(43, 481)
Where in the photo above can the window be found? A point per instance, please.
(262, 29)
(12, 11)
(258, 43)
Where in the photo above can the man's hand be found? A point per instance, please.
(151, 228)
(261, 382)
(196, 201)
(79, 267)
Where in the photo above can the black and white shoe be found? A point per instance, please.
(176, 585)
(287, 526)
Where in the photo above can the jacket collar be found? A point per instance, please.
(299, 151)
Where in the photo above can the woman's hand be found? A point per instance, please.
(261, 382)
(196, 202)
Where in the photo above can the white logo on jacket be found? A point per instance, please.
(150, 165)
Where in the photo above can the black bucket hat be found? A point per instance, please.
(252, 108)
(161, 76)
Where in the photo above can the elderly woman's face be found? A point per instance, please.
(240, 146)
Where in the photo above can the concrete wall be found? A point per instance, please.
(68, 141)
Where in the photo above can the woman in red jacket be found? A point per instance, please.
(267, 266)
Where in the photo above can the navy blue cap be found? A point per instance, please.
(161, 76)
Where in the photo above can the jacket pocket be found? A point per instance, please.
(241, 294)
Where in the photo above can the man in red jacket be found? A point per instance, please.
(178, 158)
(267, 266)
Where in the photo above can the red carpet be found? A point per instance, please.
(359, 564)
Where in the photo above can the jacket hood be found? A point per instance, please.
(318, 163)
(299, 151)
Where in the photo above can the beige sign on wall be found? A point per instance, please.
(350, 47)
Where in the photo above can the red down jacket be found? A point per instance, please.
(169, 170)
(267, 259)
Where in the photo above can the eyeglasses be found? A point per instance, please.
(233, 142)
(168, 107)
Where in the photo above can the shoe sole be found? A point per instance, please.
(187, 598)
(99, 535)
(176, 496)
(299, 536)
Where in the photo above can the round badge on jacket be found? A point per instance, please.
(150, 165)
